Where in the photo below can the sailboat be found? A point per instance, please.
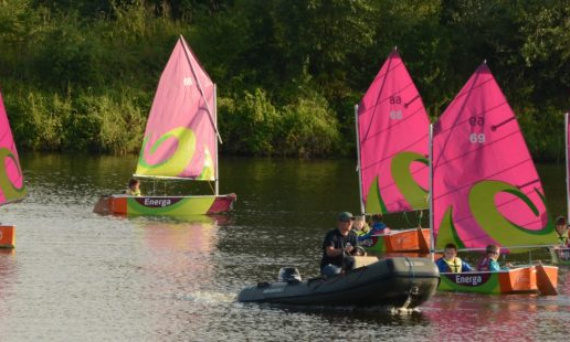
(486, 190)
(561, 254)
(392, 139)
(12, 188)
(180, 142)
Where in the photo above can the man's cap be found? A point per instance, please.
(345, 216)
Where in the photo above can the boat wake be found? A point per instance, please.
(209, 297)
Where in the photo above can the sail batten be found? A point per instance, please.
(180, 136)
(392, 126)
(485, 187)
(12, 187)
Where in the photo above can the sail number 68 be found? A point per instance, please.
(396, 115)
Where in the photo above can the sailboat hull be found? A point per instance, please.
(411, 240)
(165, 205)
(538, 279)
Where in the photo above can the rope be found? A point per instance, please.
(411, 272)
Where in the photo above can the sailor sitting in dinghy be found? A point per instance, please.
(562, 230)
(489, 262)
(378, 227)
(338, 246)
(133, 189)
(450, 262)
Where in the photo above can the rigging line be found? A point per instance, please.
(463, 186)
(412, 100)
(211, 188)
(494, 128)
(408, 116)
(462, 108)
(487, 110)
(209, 110)
(482, 147)
(409, 146)
(378, 98)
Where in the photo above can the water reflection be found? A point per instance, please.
(78, 276)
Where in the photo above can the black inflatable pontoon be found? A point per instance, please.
(396, 282)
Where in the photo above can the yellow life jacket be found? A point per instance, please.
(455, 265)
(133, 193)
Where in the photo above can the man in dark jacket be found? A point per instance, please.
(338, 245)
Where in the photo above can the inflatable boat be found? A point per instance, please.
(392, 282)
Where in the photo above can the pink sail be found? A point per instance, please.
(485, 186)
(393, 142)
(180, 136)
(12, 187)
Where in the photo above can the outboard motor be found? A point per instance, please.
(289, 275)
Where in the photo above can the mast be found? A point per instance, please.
(358, 160)
(567, 164)
(217, 166)
(431, 220)
(186, 52)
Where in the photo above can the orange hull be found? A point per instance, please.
(539, 279)
(411, 240)
(7, 236)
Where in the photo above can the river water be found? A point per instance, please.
(78, 276)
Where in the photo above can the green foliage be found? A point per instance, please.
(304, 128)
(81, 75)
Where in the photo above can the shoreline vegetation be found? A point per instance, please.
(80, 76)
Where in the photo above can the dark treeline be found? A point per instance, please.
(81, 75)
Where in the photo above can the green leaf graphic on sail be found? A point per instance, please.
(493, 223)
(11, 192)
(447, 232)
(174, 165)
(505, 232)
(208, 169)
(412, 192)
(374, 202)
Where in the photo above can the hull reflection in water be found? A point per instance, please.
(467, 317)
(196, 233)
(392, 282)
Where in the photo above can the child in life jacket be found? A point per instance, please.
(450, 262)
(489, 262)
(134, 188)
(378, 227)
(360, 227)
(562, 230)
